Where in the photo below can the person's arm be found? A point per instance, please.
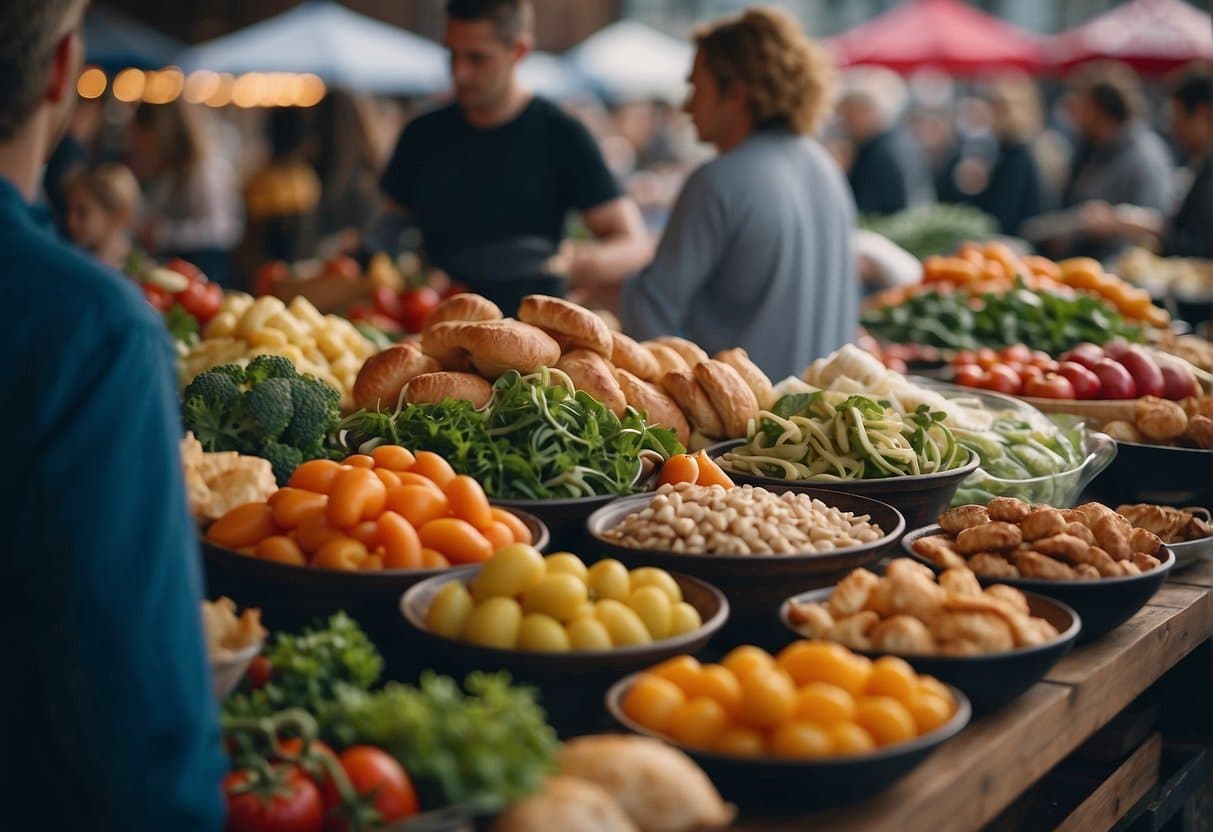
(656, 301)
(621, 247)
(121, 654)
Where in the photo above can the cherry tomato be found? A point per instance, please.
(186, 268)
(275, 271)
(1052, 386)
(964, 357)
(1114, 380)
(1085, 383)
(343, 268)
(1043, 360)
(1147, 377)
(416, 305)
(1086, 354)
(202, 300)
(160, 299)
(376, 776)
(1002, 379)
(1029, 372)
(295, 807)
(387, 302)
(1016, 353)
(259, 672)
(968, 375)
(987, 358)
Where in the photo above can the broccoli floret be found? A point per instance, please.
(283, 458)
(265, 367)
(268, 408)
(233, 371)
(209, 406)
(216, 389)
(315, 413)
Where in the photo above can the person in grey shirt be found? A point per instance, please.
(758, 251)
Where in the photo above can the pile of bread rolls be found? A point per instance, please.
(467, 343)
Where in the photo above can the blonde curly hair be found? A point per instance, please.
(790, 78)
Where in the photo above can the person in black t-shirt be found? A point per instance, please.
(491, 178)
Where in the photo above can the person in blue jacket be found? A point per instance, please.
(109, 718)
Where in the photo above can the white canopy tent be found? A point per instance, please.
(629, 60)
(551, 76)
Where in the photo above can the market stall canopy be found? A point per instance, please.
(114, 41)
(551, 76)
(344, 48)
(947, 35)
(1151, 36)
(629, 60)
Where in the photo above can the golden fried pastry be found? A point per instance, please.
(902, 634)
(1173, 525)
(739, 360)
(811, 620)
(1065, 547)
(938, 549)
(628, 355)
(1101, 560)
(851, 594)
(1087, 572)
(1145, 542)
(960, 647)
(592, 373)
(906, 567)
(993, 536)
(907, 594)
(1128, 567)
(1008, 595)
(1008, 509)
(566, 803)
(492, 347)
(1029, 632)
(385, 374)
(1145, 562)
(1073, 515)
(960, 582)
(1200, 432)
(668, 360)
(1112, 534)
(1081, 531)
(464, 306)
(1032, 564)
(992, 565)
(572, 326)
(434, 388)
(853, 631)
(659, 409)
(682, 387)
(691, 353)
(1159, 419)
(1123, 431)
(955, 520)
(1197, 406)
(733, 400)
(227, 633)
(1042, 522)
(987, 630)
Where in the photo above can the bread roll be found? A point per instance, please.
(689, 350)
(682, 387)
(595, 375)
(385, 374)
(628, 355)
(668, 360)
(433, 388)
(758, 381)
(734, 401)
(492, 347)
(658, 408)
(463, 307)
(573, 326)
(660, 787)
(567, 804)
(440, 342)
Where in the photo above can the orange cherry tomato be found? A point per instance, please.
(1042, 266)
(341, 553)
(314, 531)
(393, 457)
(390, 479)
(366, 533)
(468, 502)
(433, 559)
(401, 545)
(245, 525)
(709, 472)
(410, 478)
(418, 504)
(291, 505)
(316, 475)
(357, 494)
(679, 468)
(498, 534)
(430, 465)
(359, 461)
(522, 532)
(281, 549)
(457, 539)
(371, 563)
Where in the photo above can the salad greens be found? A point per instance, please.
(932, 229)
(535, 439)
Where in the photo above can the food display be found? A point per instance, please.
(325, 346)
(813, 700)
(927, 230)
(535, 438)
(909, 612)
(1184, 424)
(179, 291)
(1010, 538)
(228, 634)
(390, 510)
(1172, 525)
(745, 520)
(1186, 278)
(215, 483)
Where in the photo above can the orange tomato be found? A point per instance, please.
(522, 533)
(245, 525)
(1156, 316)
(429, 464)
(930, 711)
(468, 502)
(1042, 266)
(683, 671)
(401, 545)
(341, 553)
(893, 677)
(498, 534)
(697, 722)
(371, 563)
(740, 742)
(824, 704)
(746, 659)
(357, 494)
(709, 472)
(720, 684)
(457, 539)
(679, 468)
(652, 701)
(886, 719)
(949, 270)
(418, 504)
(823, 661)
(359, 461)
(281, 549)
(410, 478)
(433, 559)
(366, 533)
(315, 475)
(971, 252)
(799, 740)
(849, 739)
(291, 505)
(768, 697)
(390, 479)
(393, 457)
(994, 271)
(314, 531)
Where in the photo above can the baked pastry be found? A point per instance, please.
(627, 354)
(739, 360)
(734, 401)
(434, 388)
(569, 804)
(660, 787)
(682, 387)
(691, 352)
(439, 342)
(592, 373)
(658, 408)
(668, 361)
(1172, 525)
(571, 325)
(386, 373)
(492, 347)
(464, 306)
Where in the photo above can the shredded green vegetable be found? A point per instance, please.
(806, 438)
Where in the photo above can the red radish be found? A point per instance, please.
(1085, 383)
(1115, 380)
(1147, 378)
(1086, 354)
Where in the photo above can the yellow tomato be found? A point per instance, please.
(893, 677)
(609, 579)
(543, 633)
(654, 608)
(567, 563)
(558, 595)
(824, 704)
(886, 719)
(449, 610)
(624, 626)
(651, 701)
(684, 618)
(588, 634)
(697, 722)
(799, 740)
(768, 697)
(494, 623)
(510, 572)
(741, 660)
(651, 576)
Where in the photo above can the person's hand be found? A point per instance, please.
(1099, 219)
(560, 264)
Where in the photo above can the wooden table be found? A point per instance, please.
(972, 778)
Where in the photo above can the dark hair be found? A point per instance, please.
(1113, 88)
(29, 30)
(1194, 90)
(178, 135)
(510, 18)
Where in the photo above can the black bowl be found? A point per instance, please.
(1191, 552)
(771, 784)
(921, 498)
(567, 680)
(756, 584)
(1102, 604)
(1156, 474)
(993, 679)
(564, 519)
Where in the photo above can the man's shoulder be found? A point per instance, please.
(437, 120)
(553, 116)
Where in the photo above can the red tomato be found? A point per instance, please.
(1086, 354)
(1114, 380)
(259, 672)
(202, 300)
(160, 299)
(1002, 379)
(186, 268)
(296, 807)
(1147, 377)
(387, 302)
(1029, 372)
(1043, 360)
(964, 357)
(416, 305)
(987, 358)
(275, 271)
(377, 776)
(1016, 353)
(1085, 383)
(968, 375)
(343, 268)
(1052, 386)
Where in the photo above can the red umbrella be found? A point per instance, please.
(1152, 36)
(941, 34)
